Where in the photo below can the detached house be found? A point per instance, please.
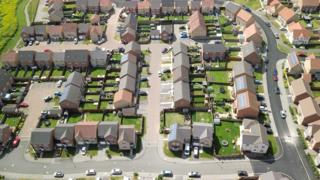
(297, 34)
(155, 6)
(246, 105)
(26, 58)
(167, 7)
(178, 137)
(213, 52)
(207, 6)
(308, 5)
(231, 9)
(242, 68)
(309, 111)
(253, 33)
(5, 134)
(250, 53)
(108, 132)
(300, 90)
(55, 32)
(196, 26)
(286, 16)
(127, 137)
(10, 59)
(202, 134)
(42, 139)
(93, 6)
(312, 64)
(82, 5)
(77, 58)
(98, 58)
(181, 95)
(43, 59)
(27, 33)
(144, 7)
(105, 5)
(181, 7)
(64, 135)
(85, 133)
(253, 137)
(294, 66)
(122, 99)
(244, 18)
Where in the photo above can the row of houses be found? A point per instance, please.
(83, 134)
(307, 6)
(130, 26)
(65, 31)
(124, 97)
(55, 10)
(166, 7)
(94, 6)
(6, 81)
(5, 134)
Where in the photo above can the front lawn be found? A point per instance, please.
(74, 118)
(218, 76)
(258, 75)
(92, 151)
(170, 153)
(204, 117)
(93, 116)
(98, 72)
(52, 123)
(136, 121)
(172, 117)
(229, 132)
(57, 72)
(12, 121)
(112, 117)
(252, 4)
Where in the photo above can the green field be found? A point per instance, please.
(218, 76)
(137, 122)
(252, 4)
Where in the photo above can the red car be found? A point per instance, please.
(23, 105)
(275, 77)
(16, 141)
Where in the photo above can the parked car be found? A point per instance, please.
(16, 141)
(116, 171)
(275, 71)
(47, 98)
(166, 173)
(277, 90)
(58, 93)
(268, 24)
(283, 114)
(91, 172)
(275, 77)
(269, 130)
(23, 105)
(276, 35)
(83, 150)
(256, 81)
(143, 93)
(194, 174)
(196, 152)
(267, 125)
(164, 50)
(59, 84)
(121, 49)
(262, 108)
(58, 174)
(187, 149)
(242, 173)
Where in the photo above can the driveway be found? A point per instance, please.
(34, 98)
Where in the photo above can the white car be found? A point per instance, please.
(58, 174)
(187, 149)
(91, 172)
(83, 150)
(59, 84)
(116, 171)
(283, 114)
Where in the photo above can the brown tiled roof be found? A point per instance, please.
(57, 29)
(123, 95)
(86, 130)
(69, 27)
(196, 20)
(251, 30)
(244, 15)
(286, 13)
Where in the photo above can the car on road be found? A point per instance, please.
(166, 173)
(121, 49)
(23, 105)
(277, 90)
(267, 125)
(187, 149)
(283, 114)
(194, 174)
(116, 171)
(269, 130)
(196, 152)
(242, 173)
(275, 77)
(58, 174)
(59, 84)
(276, 35)
(164, 50)
(91, 172)
(16, 141)
(262, 108)
(83, 150)
(47, 98)
(268, 24)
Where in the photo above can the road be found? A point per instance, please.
(293, 161)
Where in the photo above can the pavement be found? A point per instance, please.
(42, 12)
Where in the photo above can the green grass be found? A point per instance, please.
(32, 9)
(144, 84)
(285, 40)
(137, 122)
(228, 131)
(12, 121)
(93, 116)
(252, 4)
(170, 153)
(98, 72)
(74, 118)
(258, 74)
(229, 36)
(260, 89)
(53, 123)
(218, 96)
(206, 153)
(93, 97)
(112, 117)
(20, 73)
(205, 117)
(171, 118)
(273, 146)
(283, 48)
(92, 151)
(218, 76)
(57, 72)
(105, 105)
(316, 93)
(116, 56)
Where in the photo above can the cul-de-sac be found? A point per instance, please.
(160, 89)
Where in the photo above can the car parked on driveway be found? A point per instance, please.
(23, 105)
(16, 141)
(47, 98)
(196, 152)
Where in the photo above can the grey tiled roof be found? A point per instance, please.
(179, 133)
(64, 131)
(248, 49)
(128, 68)
(108, 128)
(129, 83)
(77, 56)
(179, 47)
(232, 7)
(181, 60)
(181, 91)
(76, 79)
(71, 94)
(41, 136)
(213, 48)
(202, 130)
(25, 55)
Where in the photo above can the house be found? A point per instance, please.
(144, 7)
(58, 59)
(253, 33)
(178, 137)
(96, 33)
(10, 59)
(108, 132)
(95, 19)
(85, 133)
(128, 83)
(180, 74)
(70, 99)
(133, 48)
(312, 64)
(231, 10)
(98, 58)
(181, 60)
(105, 5)
(195, 5)
(27, 33)
(42, 139)
(83, 31)
(166, 32)
(196, 26)
(246, 105)
(10, 110)
(308, 5)
(167, 7)
(253, 137)
(241, 68)
(128, 57)
(274, 8)
(128, 35)
(244, 18)
(207, 6)
(300, 90)
(55, 33)
(155, 7)
(271, 175)
(93, 6)
(40, 32)
(181, 95)
(69, 31)
(43, 59)
(82, 5)
(315, 141)
(286, 16)
(6, 81)
(179, 47)
(202, 134)
(311, 129)
(55, 14)
(26, 58)
(78, 58)
(131, 6)
(127, 137)
(181, 7)
(250, 54)
(64, 135)
(122, 99)
(294, 66)
(76, 79)
(309, 111)
(242, 84)
(5, 134)
(131, 21)
(213, 51)
(129, 68)
(297, 34)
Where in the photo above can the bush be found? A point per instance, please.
(313, 166)
(303, 141)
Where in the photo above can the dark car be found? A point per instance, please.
(242, 173)
(164, 50)
(268, 24)
(275, 71)
(194, 174)
(121, 49)
(166, 173)
(143, 93)
(267, 125)
(277, 90)
(269, 130)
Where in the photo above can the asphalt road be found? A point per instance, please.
(293, 161)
